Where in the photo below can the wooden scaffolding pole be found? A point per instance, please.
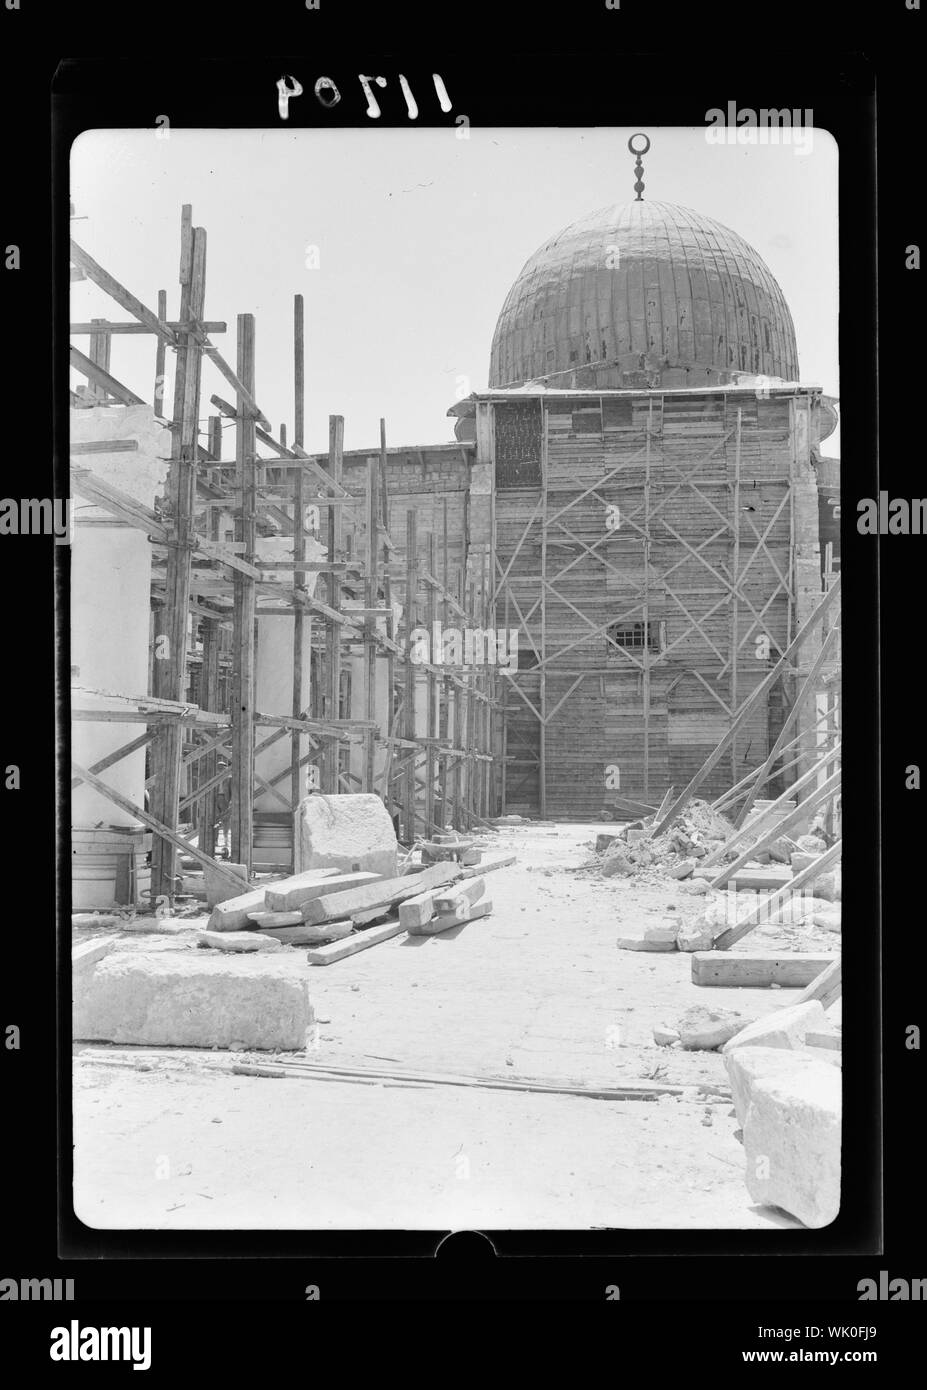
(209, 671)
(299, 549)
(170, 666)
(431, 613)
(409, 616)
(242, 822)
(758, 693)
(331, 702)
(371, 586)
(805, 689)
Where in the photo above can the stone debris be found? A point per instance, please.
(827, 920)
(697, 935)
(705, 1029)
(617, 863)
(665, 1037)
(698, 832)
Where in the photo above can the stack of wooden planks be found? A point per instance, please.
(323, 908)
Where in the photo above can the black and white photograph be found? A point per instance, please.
(455, 704)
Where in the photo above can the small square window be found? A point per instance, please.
(633, 637)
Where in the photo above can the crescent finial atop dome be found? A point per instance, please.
(639, 165)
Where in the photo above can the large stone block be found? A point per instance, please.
(349, 832)
(176, 999)
(791, 1130)
(783, 1028)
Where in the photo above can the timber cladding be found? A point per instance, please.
(643, 551)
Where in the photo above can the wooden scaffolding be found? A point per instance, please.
(424, 745)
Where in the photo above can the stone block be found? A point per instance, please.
(195, 999)
(640, 942)
(236, 941)
(704, 1029)
(232, 914)
(790, 1103)
(783, 1028)
(697, 935)
(351, 832)
(217, 885)
(683, 869)
(292, 894)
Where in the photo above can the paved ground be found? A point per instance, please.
(536, 991)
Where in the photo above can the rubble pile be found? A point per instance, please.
(696, 834)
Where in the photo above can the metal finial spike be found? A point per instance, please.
(638, 166)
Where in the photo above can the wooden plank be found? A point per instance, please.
(102, 446)
(767, 878)
(757, 830)
(767, 907)
(245, 599)
(122, 296)
(164, 831)
(792, 970)
(758, 693)
(416, 911)
(825, 987)
(243, 387)
(660, 812)
(299, 546)
(359, 941)
(370, 649)
(295, 892)
(443, 921)
(807, 688)
(303, 934)
(170, 672)
(377, 895)
(459, 898)
(85, 956)
(117, 755)
(80, 330)
(98, 377)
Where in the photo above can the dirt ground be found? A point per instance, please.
(536, 991)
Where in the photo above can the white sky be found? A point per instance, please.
(420, 236)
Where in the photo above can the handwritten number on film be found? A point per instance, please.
(328, 95)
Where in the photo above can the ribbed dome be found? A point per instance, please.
(689, 303)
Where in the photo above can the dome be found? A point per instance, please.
(645, 294)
